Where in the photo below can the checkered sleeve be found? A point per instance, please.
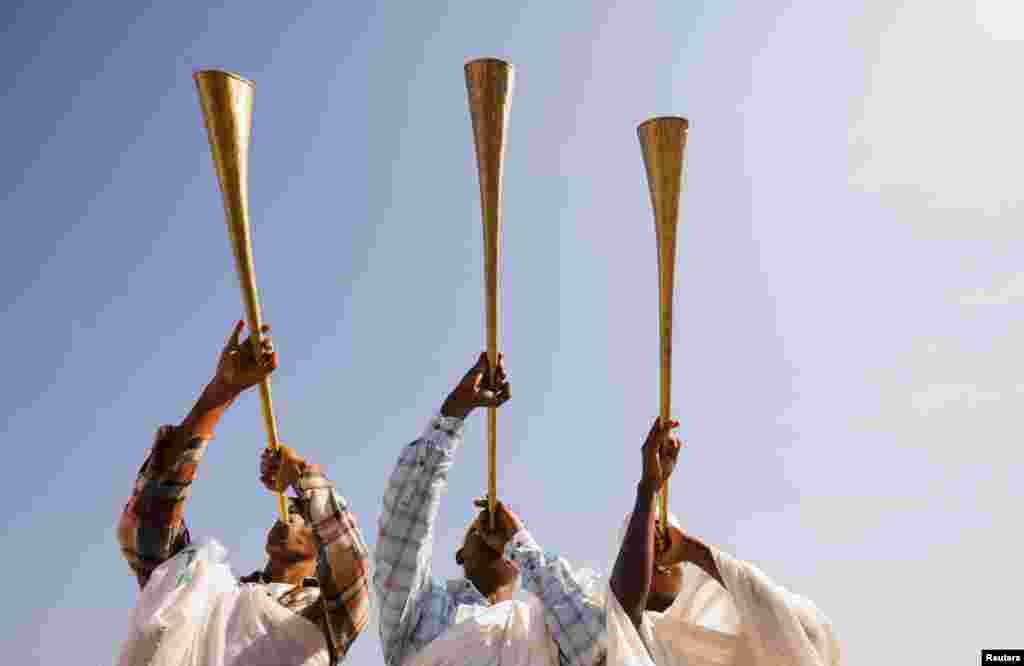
(576, 621)
(401, 576)
(152, 526)
(342, 571)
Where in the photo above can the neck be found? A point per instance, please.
(292, 573)
(502, 593)
(493, 590)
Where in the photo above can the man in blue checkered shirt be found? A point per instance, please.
(415, 607)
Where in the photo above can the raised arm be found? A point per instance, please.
(343, 556)
(152, 527)
(634, 567)
(402, 556)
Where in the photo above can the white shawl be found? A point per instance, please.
(510, 633)
(752, 622)
(194, 612)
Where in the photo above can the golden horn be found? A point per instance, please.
(226, 100)
(663, 142)
(489, 86)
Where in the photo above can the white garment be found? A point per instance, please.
(511, 633)
(752, 622)
(194, 612)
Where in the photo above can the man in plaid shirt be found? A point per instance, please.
(317, 564)
(416, 608)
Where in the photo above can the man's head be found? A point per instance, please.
(292, 542)
(667, 581)
(666, 584)
(482, 564)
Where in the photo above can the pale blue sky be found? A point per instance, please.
(849, 287)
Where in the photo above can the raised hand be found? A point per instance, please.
(506, 524)
(476, 390)
(281, 469)
(660, 452)
(241, 365)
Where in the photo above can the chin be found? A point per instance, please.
(659, 603)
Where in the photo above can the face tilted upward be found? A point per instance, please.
(291, 542)
(666, 584)
(483, 565)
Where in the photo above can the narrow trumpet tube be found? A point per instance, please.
(226, 102)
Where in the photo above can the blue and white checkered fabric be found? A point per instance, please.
(416, 608)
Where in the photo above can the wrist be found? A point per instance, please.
(646, 490)
(217, 393)
(452, 408)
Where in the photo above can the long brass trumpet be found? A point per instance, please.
(489, 86)
(663, 143)
(226, 101)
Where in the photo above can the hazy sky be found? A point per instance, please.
(849, 299)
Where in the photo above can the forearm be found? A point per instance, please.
(199, 423)
(634, 566)
(696, 552)
(207, 412)
(342, 570)
(575, 620)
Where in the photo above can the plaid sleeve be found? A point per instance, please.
(344, 557)
(401, 576)
(152, 526)
(576, 622)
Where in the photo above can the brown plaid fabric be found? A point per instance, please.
(152, 530)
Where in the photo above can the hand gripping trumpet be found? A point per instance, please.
(489, 86)
(226, 100)
(663, 143)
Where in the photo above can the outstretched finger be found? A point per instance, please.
(499, 370)
(233, 339)
(476, 373)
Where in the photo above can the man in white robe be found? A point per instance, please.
(673, 600)
(473, 620)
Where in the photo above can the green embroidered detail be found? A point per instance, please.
(186, 575)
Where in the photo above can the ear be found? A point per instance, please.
(458, 557)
